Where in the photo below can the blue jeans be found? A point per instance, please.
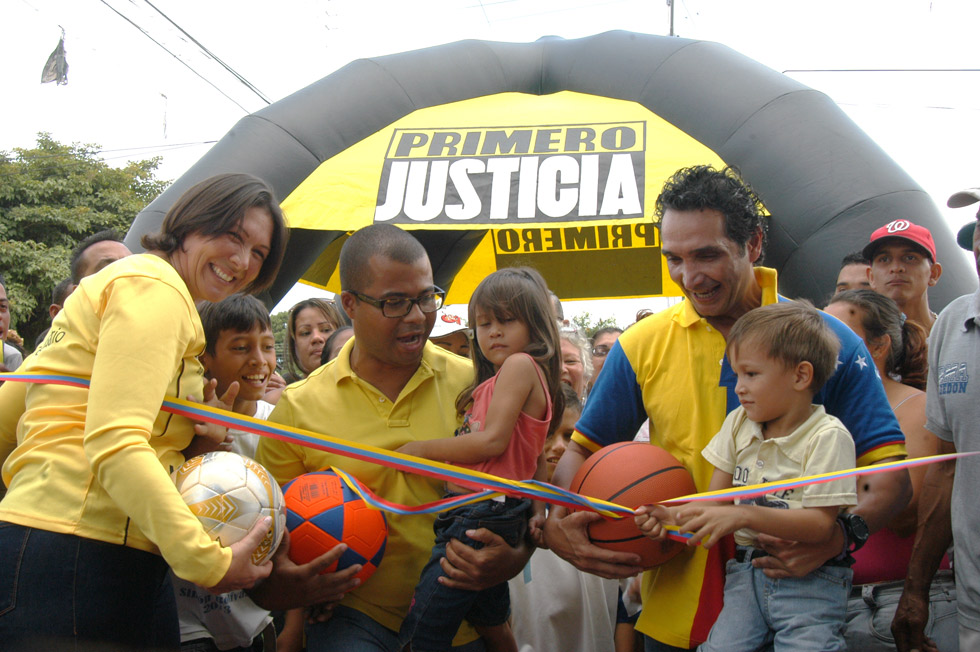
(437, 611)
(60, 591)
(793, 614)
(350, 630)
(871, 609)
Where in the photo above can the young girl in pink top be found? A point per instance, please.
(508, 412)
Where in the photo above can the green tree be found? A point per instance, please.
(279, 321)
(590, 324)
(52, 196)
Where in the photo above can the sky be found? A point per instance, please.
(135, 99)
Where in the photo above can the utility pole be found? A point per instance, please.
(670, 4)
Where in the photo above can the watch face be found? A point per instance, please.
(858, 528)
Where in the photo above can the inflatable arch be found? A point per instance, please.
(552, 154)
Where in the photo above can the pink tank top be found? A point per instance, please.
(885, 558)
(520, 459)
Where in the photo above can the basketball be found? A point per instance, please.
(631, 474)
(228, 493)
(321, 512)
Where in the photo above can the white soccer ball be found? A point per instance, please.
(228, 493)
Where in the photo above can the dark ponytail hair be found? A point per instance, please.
(880, 316)
(913, 365)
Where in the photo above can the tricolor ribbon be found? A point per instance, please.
(751, 491)
(484, 485)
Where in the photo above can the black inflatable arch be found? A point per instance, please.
(825, 182)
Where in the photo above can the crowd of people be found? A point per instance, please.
(740, 384)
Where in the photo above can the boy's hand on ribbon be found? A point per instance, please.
(651, 519)
(210, 437)
(709, 523)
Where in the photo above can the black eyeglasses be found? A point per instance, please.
(600, 351)
(400, 306)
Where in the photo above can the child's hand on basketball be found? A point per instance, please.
(708, 524)
(242, 573)
(650, 520)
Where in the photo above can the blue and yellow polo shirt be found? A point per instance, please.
(672, 367)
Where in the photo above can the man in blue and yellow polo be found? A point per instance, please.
(672, 369)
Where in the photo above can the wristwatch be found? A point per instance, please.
(855, 530)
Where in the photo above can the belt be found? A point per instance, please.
(744, 554)
(942, 587)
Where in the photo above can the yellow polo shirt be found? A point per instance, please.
(672, 368)
(96, 462)
(333, 400)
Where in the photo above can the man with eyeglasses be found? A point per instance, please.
(387, 386)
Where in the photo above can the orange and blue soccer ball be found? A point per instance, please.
(321, 512)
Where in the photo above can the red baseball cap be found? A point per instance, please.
(905, 230)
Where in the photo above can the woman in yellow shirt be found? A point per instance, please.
(92, 520)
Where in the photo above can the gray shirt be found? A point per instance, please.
(952, 413)
(11, 357)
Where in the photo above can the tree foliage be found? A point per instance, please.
(279, 321)
(52, 196)
(590, 324)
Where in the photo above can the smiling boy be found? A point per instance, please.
(782, 354)
(240, 349)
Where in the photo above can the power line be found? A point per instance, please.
(881, 70)
(146, 148)
(211, 54)
(162, 46)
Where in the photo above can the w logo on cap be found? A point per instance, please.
(905, 230)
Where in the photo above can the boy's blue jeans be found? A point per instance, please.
(438, 610)
(793, 614)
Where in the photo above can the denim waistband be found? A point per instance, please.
(746, 553)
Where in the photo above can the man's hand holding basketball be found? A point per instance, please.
(566, 533)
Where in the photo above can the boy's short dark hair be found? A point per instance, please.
(572, 401)
(61, 291)
(239, 312)
(791, 332)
